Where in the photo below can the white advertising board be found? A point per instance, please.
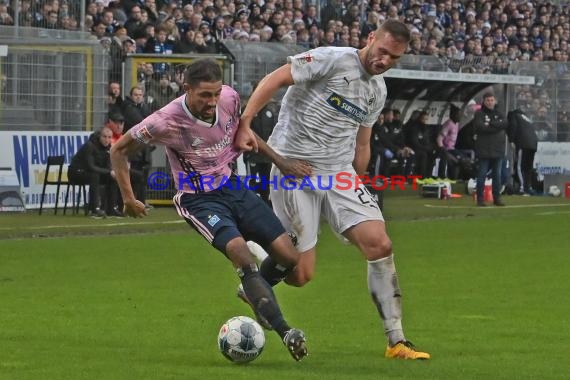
(26, 154)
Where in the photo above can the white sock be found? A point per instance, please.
(257, 251)
(385, 291)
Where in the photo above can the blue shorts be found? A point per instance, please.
(228, 212)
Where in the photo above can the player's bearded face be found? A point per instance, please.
(203, 99)
(383, 53)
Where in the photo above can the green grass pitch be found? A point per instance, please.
(485, 291)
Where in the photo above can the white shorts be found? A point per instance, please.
(300, 206)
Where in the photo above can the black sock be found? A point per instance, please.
(272, 272)
(262, 297)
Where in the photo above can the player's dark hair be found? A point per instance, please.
(396, 29)
(202, 70)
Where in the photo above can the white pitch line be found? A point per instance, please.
(499, 208)
(475, 316)
(552, 213)
(90, 225)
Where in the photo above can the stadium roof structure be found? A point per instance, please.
(445, 86)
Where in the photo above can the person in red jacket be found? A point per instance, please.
(116, 123)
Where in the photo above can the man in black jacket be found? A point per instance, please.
(134, 108)
(522, 133)
(91, 165)
(489, 127)
(421, 139)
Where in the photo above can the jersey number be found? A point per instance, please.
(366, 198)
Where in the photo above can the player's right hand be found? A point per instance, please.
(245, 140)
(294, 167)
(134, 209)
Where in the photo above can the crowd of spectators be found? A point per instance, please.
(481, 36)
(485, 31)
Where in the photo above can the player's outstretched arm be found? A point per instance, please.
(265, 91)
(120, 152)
(287, 166)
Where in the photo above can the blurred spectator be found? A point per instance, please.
(134, 108)
(331, 11)
(219, 32)
(5, 18)
(452, 159)
(160, 45)
(26, 15)
(114, 99)
(116, 123)
(259, 165)
(169, 25)
(42, 14)
(544, 125)
(134, 24)
(151, 11)
(93, 12)
(99, 30)
(522, 134)
(388, 146)
(108, 19)
(162, 90)
(490, 143)
(202, 46)
(310, 18)
(371, 24)
(184, 23)
(91, 166)
(351, 15)
(209, 15)
(422, 141)
(140, 163)
(186, 43)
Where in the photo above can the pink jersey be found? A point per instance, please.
(448, 134)
(199, 153)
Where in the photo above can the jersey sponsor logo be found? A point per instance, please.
(197, 142)
(213, 219)
(143, 135)
(216, 148)
(344, 106)
(307, 58)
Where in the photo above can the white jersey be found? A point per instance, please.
(320, 114)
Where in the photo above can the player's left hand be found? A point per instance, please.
(245, 140)
(134, 209)
(294, 167)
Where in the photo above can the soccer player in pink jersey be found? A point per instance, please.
(198, 130)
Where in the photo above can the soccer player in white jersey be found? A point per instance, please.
(197, 130)
(326, 119)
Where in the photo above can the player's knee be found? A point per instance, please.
(377, 248)
(298, 279)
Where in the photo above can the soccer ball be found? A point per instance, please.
(241, 339)
(554, 191)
